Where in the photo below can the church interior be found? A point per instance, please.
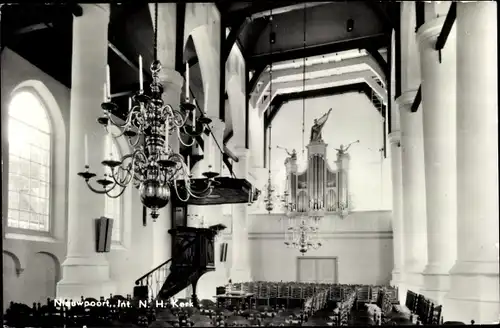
(249, 164)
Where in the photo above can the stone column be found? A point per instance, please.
(240, 263)
(172, 83)
(439, 120)
(474, 288)
(397, 207)
(84, 271)
(413, 174)
(212, 153)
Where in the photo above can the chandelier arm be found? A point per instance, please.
(134, 144)
(133, 112)
(201, 193)
(209, 185)
(192, 133)
(118, 195)
(122, 131)
(97, 191)
(116, 176)
(179, 196)
(180, 138)
(176, 113)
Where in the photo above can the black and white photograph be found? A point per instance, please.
(249, 163)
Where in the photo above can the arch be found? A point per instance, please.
(58, 152)
(236, 99)
(209, 64)
(49, 102)
(17, 263)
(56, 262)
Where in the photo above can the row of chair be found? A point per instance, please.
(84, 312)
(342, 313)
(293, 294)
(424, 310)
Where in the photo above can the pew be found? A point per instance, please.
(322, 304)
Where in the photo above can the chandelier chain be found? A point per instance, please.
(155, 36)
(270, 85)
(304, 85)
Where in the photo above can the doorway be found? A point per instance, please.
(317, 269)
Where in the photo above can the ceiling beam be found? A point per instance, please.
(255, 7)
(417, 101)
(255, 77)
(447, 26)
(180, 8)
(33, 28)
(76, 9)
(286, 9)
(308, 94)
(128, 61)
(365, 60)
(381, 62)
(235, 32)
(382, 14)
(341, 79)
(377, 41)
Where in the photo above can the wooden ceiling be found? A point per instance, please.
(42, 34)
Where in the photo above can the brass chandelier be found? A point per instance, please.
(302, 233)
(271, 197)
(153, 167)
(302, 230)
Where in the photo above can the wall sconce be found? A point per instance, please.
(103, 229)
(350, 25)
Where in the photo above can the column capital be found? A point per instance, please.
(428, 32)
(406, 99)
(395, 137)
(170, 77)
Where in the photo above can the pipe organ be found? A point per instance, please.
(319, 189)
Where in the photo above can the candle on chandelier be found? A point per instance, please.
(109, 144)
(141, 81)
(187, 82)
(129, 103)
(105, 93)
(86, 149)
(189, 164)
(205, 105)
(194, 120)
(108, 82)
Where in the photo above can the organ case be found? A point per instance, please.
(319, 189)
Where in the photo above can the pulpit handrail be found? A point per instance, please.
(138, 281)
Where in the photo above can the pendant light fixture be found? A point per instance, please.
(270, 190)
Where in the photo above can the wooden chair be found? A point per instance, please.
(273, 295)
(436, 318)
(393, 294)
(411, 301)
(336, 293)
(362, 295)
(374, 291)
(263, 294)
(296, 296)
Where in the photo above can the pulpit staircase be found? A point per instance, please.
(193, 256)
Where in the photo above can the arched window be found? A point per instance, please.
(30, 155)
(113, 206)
